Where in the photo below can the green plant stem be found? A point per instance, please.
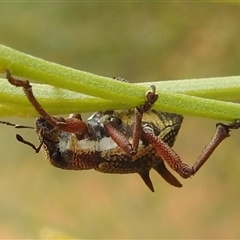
(60, 101)
(54, 100)
(216, 88)
(112, 94)
(29, 67)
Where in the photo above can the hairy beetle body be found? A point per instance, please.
(98, 151)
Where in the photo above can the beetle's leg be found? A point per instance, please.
(151, 98)
(120, 138)
(173, 160)
(27, 88)
(73, 125)
(222, 132)
(166, 153)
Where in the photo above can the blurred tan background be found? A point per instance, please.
(141, 42)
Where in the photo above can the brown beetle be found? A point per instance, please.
(118, 141)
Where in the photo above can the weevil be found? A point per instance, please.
(117, 141)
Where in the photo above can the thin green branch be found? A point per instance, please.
(55, 100)
(109, 93)
(29, 67)
(216, 88)
(60, 101)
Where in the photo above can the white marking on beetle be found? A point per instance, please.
(70, 142)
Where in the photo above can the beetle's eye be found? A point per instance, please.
(115, 121)
(57, 159)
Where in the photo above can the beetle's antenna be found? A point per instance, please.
(16, 125)
(20, 139)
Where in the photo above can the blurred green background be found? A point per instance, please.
(141, 42)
